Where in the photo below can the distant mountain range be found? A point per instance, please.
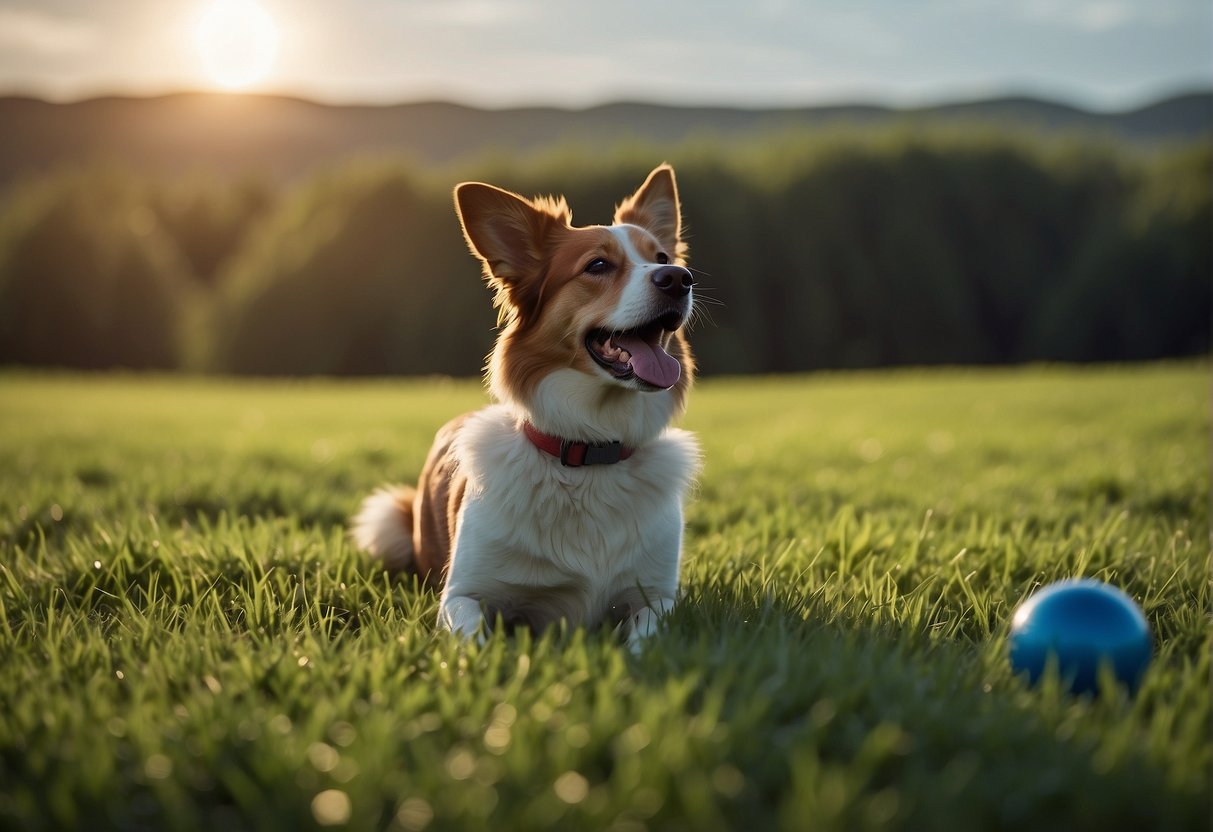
(283, 138)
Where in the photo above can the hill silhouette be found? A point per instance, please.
(284, 138)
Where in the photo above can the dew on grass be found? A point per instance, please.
(870, 450)
(577, 736)
(571, 787)
(345, 770)
(331, 807)
(460, 764)
(323, 757)
(822, 713)
(634, 738)
(322, 451)
(728, 780)
(940, 441)
(647, 801)
(342, 733)
(497, 738)
(158, 767)
(414, 814)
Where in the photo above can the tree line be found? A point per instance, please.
(840, 251)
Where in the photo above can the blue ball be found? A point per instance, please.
(1084, 624)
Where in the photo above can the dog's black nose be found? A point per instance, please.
(675, 281)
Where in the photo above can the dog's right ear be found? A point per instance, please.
(510, 235)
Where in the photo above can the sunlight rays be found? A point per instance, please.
(237, 41)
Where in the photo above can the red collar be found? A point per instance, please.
(575, 454)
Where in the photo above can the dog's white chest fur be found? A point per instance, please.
(538, 542)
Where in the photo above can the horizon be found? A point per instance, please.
(890, 105)
(1097, 55)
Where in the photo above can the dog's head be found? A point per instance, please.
(592, 338)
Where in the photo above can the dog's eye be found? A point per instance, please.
(663, 258)
(597, 266)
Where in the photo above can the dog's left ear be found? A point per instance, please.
(655, 207)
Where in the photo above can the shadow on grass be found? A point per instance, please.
(841, 725)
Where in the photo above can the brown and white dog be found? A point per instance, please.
(562, 501)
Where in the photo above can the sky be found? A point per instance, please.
(1103, 54)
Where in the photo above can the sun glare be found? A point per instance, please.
(237, 41)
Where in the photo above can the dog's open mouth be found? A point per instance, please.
(637, 353)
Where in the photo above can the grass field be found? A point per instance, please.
(187, 640)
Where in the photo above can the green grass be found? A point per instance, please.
(188, 641)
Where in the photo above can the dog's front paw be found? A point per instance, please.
(463, 617)
(636, 643)
(644, 624)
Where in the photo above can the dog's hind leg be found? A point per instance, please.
(383, 527)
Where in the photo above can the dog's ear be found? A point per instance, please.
(510, 235)
(655, 207)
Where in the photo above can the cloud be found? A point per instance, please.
(1096, 15)
(466, 12)
(38, 33)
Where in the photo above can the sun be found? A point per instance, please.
(237, 41)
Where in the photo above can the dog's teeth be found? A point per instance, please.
(610, 352)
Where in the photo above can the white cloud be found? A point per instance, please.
(1086, 16)
(1098, 16)
(465, 12)
(25, 30)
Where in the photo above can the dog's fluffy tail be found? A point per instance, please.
(383, 527)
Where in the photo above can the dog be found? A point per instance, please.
(563, 500)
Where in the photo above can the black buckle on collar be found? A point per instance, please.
(606, 454)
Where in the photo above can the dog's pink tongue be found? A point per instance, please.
(650, 362)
